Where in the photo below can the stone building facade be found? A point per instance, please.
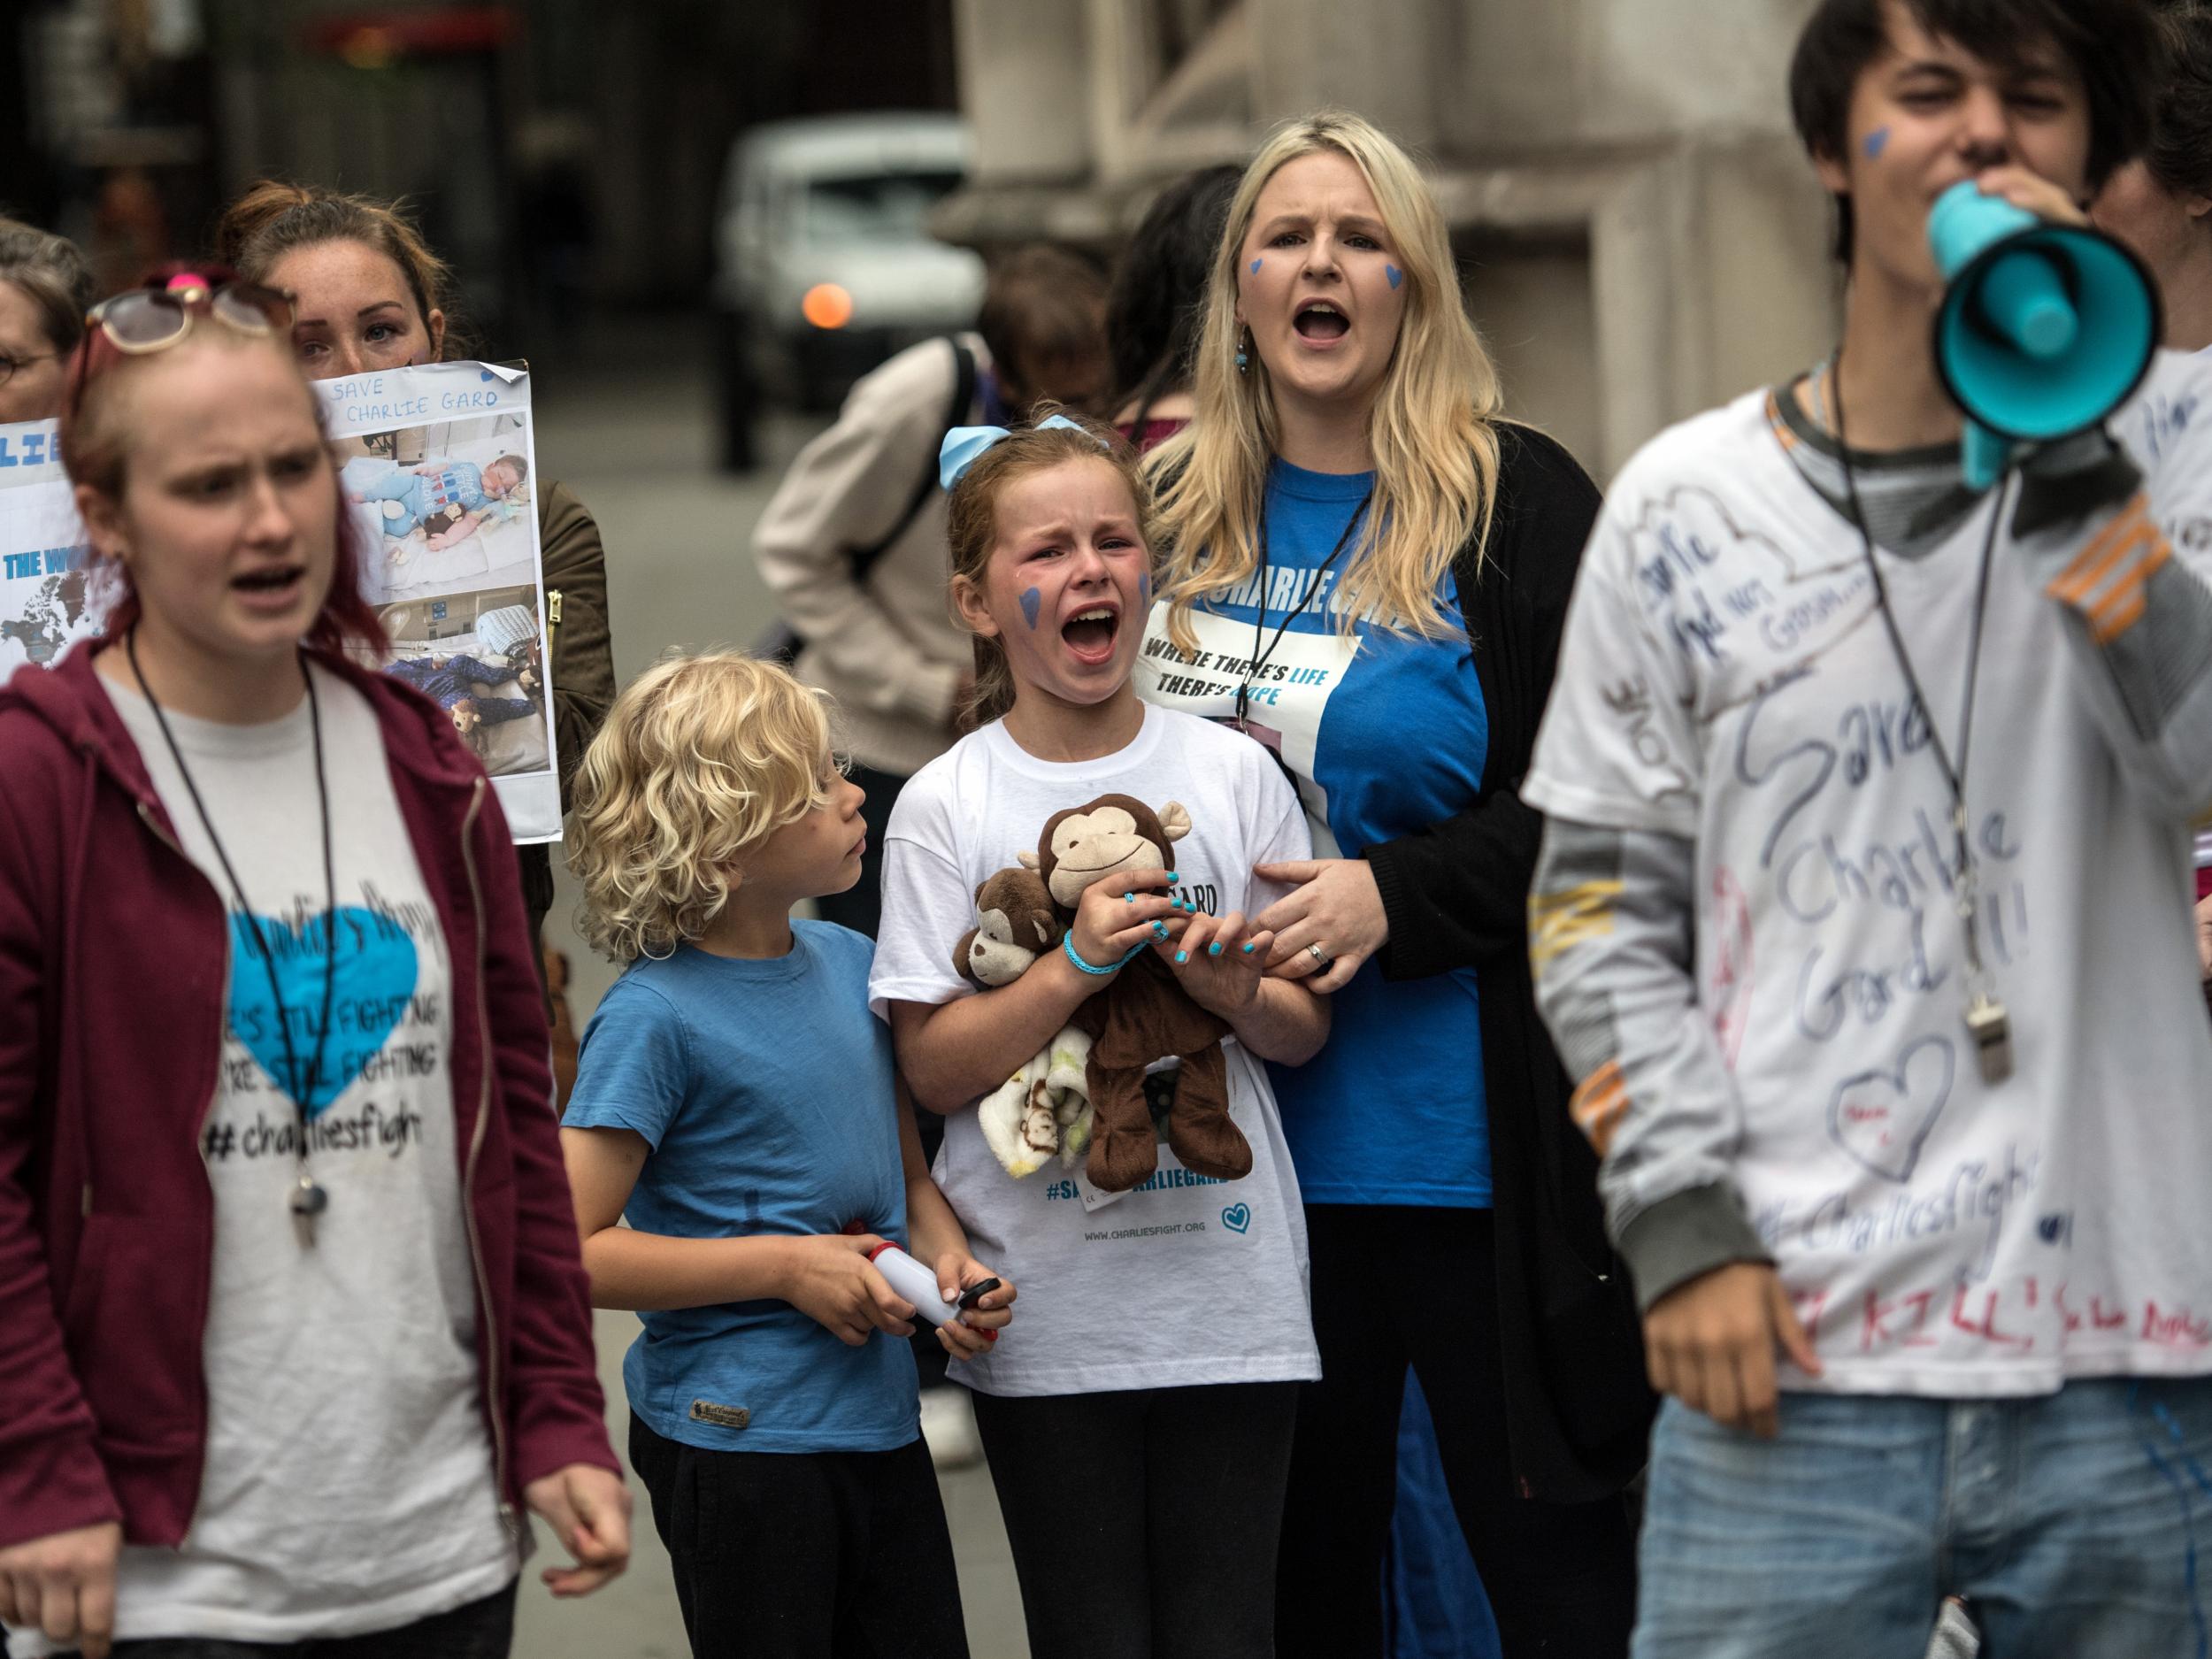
(1639, 235)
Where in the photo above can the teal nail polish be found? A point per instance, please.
(1182, 955)
(1159, 930)
(1170, 875)
(1129, 898)
(1214, 949)
(1248, 944)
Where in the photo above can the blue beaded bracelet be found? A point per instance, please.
(1067, 944)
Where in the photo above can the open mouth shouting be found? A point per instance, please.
(270, 587)
(1320, 323)
(1091, 632)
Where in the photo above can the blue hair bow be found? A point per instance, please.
(964, 444)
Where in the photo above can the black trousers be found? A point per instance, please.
(480, 1630)
(1394, 1286)
(805, 1556)
(1143, 1522)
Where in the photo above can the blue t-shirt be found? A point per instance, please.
(765, 1091)
(1383, 742)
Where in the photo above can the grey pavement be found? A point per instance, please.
(636, 446)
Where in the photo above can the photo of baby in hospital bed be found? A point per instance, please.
(444, 510)
(487, 674)
(444, 500)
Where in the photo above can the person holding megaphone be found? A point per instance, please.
(1884, 709)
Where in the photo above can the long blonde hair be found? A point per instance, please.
(1432, 430)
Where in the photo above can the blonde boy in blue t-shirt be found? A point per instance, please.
(735, 1100)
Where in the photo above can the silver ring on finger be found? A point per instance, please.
(1322, 959)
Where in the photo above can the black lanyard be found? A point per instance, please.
(1259, 608)
(1987, 1022)
(309, 1198)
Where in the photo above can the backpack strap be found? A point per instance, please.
(863, 559)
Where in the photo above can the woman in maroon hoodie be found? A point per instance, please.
(290, 1293)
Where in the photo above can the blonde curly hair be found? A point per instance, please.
(702, 759)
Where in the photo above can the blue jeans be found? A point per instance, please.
(2069, 1522)
(1434, 1606)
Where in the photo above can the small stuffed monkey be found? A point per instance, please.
(1045, 1107)
(1144, 1014)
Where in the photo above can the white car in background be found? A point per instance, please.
(823, 263)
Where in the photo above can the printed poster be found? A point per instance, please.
(438, 467)
(48, 598)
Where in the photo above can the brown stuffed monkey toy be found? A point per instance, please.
(1145, 1013)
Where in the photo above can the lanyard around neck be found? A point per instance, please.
(1259, 608)
(1987, 1021)
(309, 1196)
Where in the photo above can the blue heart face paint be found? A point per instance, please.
(1255, 267)
(1876, 141)
(1396, 275)
(1144, 594)
(1032, 601)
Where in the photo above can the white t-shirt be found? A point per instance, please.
(1184, 1279)
(1726, 680)
(2156, 422)
(348, 1484)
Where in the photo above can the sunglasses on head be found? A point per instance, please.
(152, 319)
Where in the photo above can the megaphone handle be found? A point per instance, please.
(1983, 456)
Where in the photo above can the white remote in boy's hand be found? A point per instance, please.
(918, 1285)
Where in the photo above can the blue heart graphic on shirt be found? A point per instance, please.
(1237, 1217)
(376, 973)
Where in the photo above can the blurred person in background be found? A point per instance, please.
(2159, 203)
(290, 1296)
(1157, 300)
(45, 289)
(129, 227)
(853, 543)
(369, 294)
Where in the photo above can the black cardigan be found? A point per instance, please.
(1578, 1408)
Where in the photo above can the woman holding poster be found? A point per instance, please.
(1369, 571)
(369, 294)
(289, 1282)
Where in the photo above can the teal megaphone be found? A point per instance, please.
(2045, 329)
